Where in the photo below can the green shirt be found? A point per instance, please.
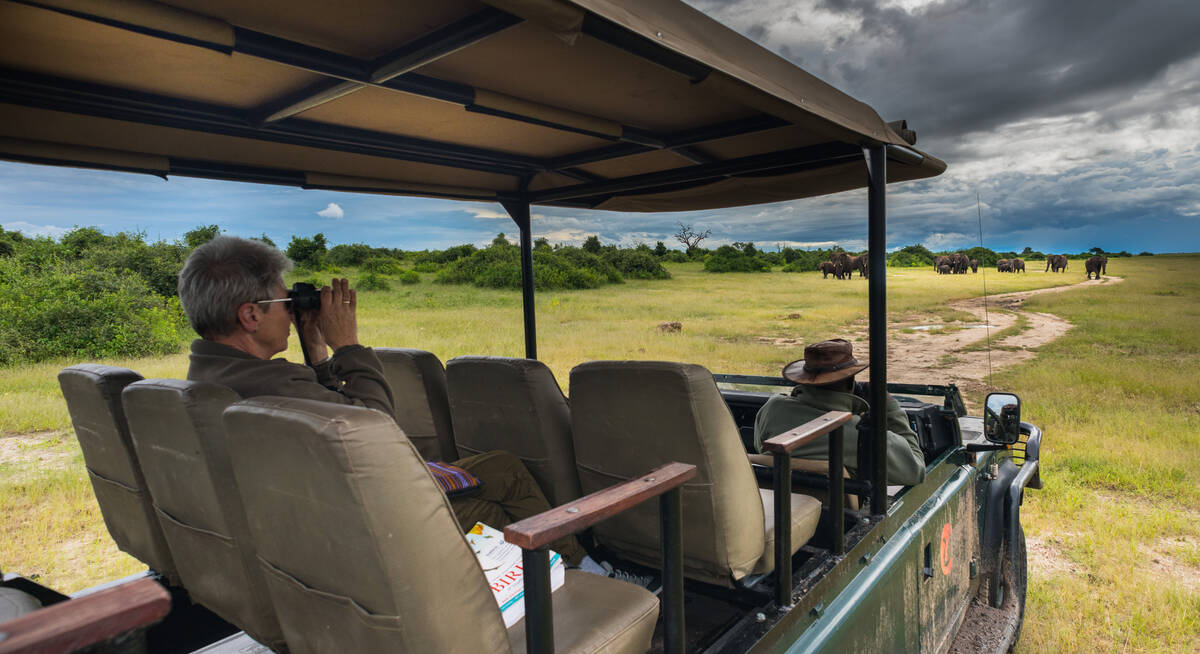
(906, 462)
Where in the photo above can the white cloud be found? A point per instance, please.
(334, 210)
(29, 229)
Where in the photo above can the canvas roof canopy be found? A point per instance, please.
(629, 105)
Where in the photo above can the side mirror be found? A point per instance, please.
(1002, 418)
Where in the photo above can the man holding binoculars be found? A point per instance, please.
(230, 288)
(233, 294)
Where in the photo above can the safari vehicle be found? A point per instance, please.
(610, 105)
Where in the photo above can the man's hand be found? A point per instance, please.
(338, 322)
(310, 331)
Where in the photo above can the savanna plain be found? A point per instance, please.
(1113, 538)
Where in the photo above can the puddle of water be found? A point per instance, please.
(925, 328)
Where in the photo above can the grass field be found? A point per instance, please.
(1113, 537)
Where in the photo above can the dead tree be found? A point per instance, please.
(691, 238)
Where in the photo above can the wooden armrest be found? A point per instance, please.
(77, 623)
(806, 433)
(548, 526)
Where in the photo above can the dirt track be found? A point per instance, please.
(919, 356)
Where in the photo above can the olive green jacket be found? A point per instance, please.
(906, 463)
(353, 375)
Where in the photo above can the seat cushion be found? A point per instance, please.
(597, 614)
(806, 511)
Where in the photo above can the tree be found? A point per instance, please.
(541, 244)
(592, 244)
(1096, 250)
(691, 238)
(201, 235)
(660, 250)
(307, 252)
(264, 238)
(500, 240)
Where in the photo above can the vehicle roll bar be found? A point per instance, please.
(781, 448)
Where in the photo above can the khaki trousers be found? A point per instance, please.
(509, 495)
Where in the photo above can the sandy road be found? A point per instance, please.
(921, 356)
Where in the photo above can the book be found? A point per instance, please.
(502, 565)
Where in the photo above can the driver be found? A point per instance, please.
(233, 294)
(825, 382)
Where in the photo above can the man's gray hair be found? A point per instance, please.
(224, 273)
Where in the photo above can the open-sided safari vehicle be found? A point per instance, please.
(624, 105)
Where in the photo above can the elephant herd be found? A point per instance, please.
(842, 266)
(1010, 265)
(955, 264)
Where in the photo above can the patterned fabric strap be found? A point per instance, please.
(453, 480)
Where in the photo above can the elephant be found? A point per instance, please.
(1004, 265)
(1097, 264)
(1056, 263)
(841, 262)
(937, 263)
(860, 263)
(827, 268)
(1018, 265)
(959, 263)
(974, 265)
(944, 269)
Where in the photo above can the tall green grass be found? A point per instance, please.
(1117, 397)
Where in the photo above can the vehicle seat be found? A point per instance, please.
(177, 431)
(93, 395)
(362, 552)
(422, 409)
(628, 416)
(501, 403)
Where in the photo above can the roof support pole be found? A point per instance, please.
(877, 250)
(518, 210)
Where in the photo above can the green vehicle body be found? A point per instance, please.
(928, 575)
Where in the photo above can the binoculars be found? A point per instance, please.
(304, 296)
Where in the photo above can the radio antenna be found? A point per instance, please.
(987, 320)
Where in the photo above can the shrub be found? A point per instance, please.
(499, 266)
(73, 310)
(373, 282)
(353, 254)
(427, 267)
(381, 265)
(728, 258)
(410, 277)
(638, 264)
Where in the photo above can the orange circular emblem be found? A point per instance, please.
(947, 561)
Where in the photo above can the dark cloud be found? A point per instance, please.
(966, 65)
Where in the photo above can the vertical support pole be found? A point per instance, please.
(539, 619)
(519, 212)
(670, 511)
(837, 491)
(876, 156)
(783, 529)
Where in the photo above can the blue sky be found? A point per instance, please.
(1076, 124)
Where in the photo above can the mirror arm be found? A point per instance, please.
(986, 447)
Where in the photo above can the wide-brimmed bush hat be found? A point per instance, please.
(824, 363)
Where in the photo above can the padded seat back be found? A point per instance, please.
(93, 395)
(631, 416)
(502, 403)
(359, 546)
(422, 410)
(180, 440)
